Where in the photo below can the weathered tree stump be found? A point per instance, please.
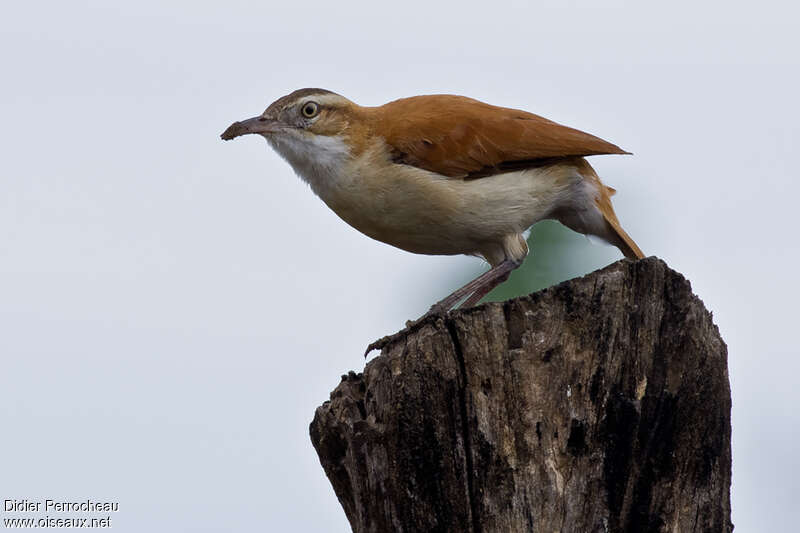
(600, 404)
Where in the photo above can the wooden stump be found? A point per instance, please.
(600, 404)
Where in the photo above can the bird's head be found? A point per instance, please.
(308, 127)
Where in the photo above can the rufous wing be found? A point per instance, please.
(460, 137)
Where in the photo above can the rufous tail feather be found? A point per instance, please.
(617, 235)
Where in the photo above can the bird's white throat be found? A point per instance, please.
(318, 159)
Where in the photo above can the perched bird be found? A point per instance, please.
(443, 175)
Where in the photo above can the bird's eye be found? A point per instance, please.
(310, 109)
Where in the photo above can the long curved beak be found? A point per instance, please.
(258, 125)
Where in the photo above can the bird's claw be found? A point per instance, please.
(411, 325)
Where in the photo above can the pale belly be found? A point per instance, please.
(424, 213)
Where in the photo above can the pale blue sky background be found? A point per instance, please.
(173, 308)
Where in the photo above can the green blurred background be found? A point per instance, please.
(556, 253)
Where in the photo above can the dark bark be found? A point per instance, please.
(600, 404)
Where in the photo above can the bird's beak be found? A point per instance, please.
(260, 125)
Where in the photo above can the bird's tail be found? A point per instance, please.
(607, 228)
(590, 211)
(616, 235)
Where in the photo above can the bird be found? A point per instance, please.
(443, 174)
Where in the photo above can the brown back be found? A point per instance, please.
(461, 138)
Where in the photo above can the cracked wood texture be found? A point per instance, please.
(600, 404)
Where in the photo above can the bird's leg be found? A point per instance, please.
(476, 296)
(485, 282)
(478, 288)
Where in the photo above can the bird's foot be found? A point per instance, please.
(472, 291)
(411, 326)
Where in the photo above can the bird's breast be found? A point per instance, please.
(424, 212)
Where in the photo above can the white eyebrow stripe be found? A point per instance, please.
(325, 99)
